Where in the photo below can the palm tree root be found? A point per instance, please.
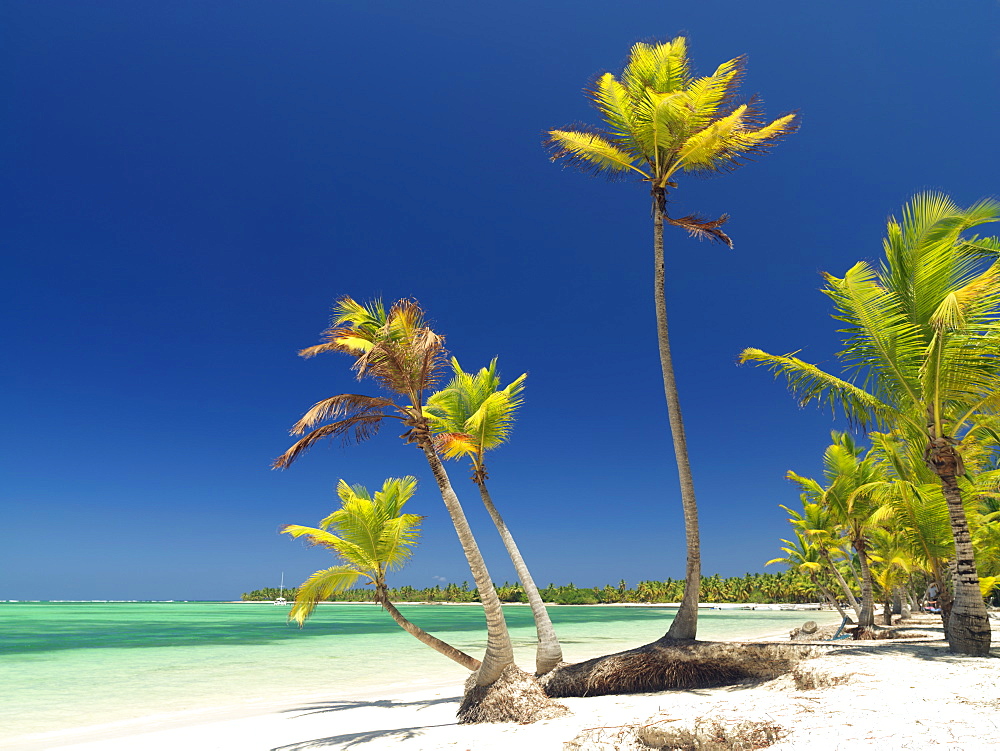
(673, 664)
(514, 697)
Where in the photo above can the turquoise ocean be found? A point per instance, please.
(71, 665)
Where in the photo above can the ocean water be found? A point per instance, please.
(70, 665)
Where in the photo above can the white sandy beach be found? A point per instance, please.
(905, 695)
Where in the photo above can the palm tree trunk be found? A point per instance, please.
(968, 626)
(685, 624)
(470, 663)
(866, 618)
(499, 652)
(549, 653)
(843, 585)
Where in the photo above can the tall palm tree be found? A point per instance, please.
(370, 536)
(923, 345)
(659, 121)
(469, 417)
(404, 355)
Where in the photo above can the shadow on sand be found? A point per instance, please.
(339, 706)
(350, 739)
(347, 740)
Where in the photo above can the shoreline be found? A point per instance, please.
(855, 694)
(426, 713)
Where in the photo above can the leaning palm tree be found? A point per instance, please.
(923, 344)
(661, 121)
(816, 523)
(803, 556)
(844, 496)
(371, 536)
(469, 417)
(404, 355)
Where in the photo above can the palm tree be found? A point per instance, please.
(803, 556)
(923, 345)
(404, 355)
(845, 474)
(469, 417)
(370, 536)
(660, 120)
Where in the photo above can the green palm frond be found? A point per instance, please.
(473, 414)
(922, 335)
(398, 537)
(590, 152)
(370, 535)
(662, 67)
(709, 96)
(808, 383)
(319, 587)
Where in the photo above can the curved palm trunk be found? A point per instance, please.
(470, 663)
(968, 626)
(843, 585)
(549, 653)
(499, 652)
(685, 624)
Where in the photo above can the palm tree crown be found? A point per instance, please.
(660, 119)
(370, 535)
(473, 414)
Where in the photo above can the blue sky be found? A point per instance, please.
(189, 186)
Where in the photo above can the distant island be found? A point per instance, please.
(788, 586)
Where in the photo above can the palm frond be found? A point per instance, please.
(703, 229)
(398, 537)
(590, 152)
(352, 405)
(357, 429)
(456, 445)
(707, 97)
(662, 67)
(808, 383)
(320, 586)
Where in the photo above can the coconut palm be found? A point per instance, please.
(846, 474)
(469, 417)
(660, 121)
(817, 524)
(803, 555)
(922, 350)
(371, 536)
(404, 355)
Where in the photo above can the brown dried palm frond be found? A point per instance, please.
(703, 229)
(349, 405)
(357, 428)
(404, 366)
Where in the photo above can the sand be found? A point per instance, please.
(889, 695)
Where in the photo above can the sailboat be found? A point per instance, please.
(281, 592)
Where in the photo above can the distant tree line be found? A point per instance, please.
(786, 586)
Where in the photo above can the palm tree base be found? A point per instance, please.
(969, 634)
(673, 664)
(514, 697)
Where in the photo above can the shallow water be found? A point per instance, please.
(65, 665)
